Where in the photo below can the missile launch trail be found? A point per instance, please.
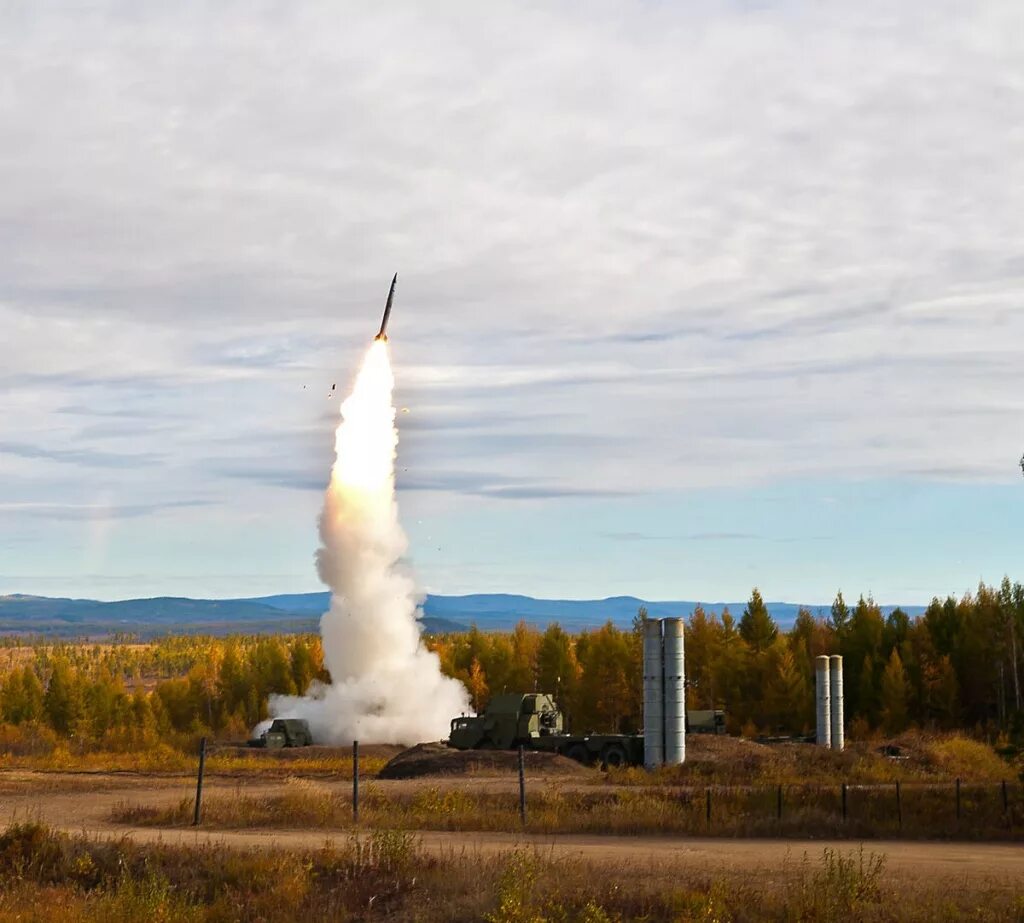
(386, 686)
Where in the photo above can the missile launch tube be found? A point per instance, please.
(654, 696)
(835, 688)
(675, 692)
(823, 700)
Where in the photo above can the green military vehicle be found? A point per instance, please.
(534, 721)
(705, 721)
(284, 732)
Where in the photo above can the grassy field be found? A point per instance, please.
(919, 757)
(230, 760)
(47, 876)
(710, 760)
(925, 811)
(728, 787)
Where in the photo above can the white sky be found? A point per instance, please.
(659, 264)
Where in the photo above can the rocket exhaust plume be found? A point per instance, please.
(386, 687)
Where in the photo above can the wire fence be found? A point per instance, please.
(955, 809)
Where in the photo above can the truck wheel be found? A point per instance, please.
(579, 753)
(614, 755)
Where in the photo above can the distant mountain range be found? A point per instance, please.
(41, 615)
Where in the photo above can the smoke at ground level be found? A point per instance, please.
(386, 686)
(407, 705)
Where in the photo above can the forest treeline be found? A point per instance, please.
(956, 666)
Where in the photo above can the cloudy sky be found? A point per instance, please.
(692, 296)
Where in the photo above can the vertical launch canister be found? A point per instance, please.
(836, 701)
(823, 700)
(675, 692)
(654, 696)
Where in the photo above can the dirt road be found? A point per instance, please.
(80, 804)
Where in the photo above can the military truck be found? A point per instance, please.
(284, 732)
(705, 721)
(534, 721)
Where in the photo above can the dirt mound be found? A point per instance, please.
(714, 748)
(436, 759)
(737, 760)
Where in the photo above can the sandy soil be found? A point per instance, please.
(80, 804)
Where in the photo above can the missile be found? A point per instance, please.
(383, 335)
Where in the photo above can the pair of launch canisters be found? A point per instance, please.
(828, 687)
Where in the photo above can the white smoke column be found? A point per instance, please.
(386, 687)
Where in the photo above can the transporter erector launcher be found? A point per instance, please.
(383, 335)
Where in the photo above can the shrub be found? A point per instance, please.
(966, 758)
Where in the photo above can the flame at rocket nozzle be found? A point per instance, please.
(386, 687)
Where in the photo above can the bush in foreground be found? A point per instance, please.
(386, 875)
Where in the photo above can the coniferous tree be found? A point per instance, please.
(757, 627)
(789, 702)
(13, 705)
(62, 703)
(32, 695)
(523, 667)
(558, 670)
(867, 692)
(703, 647)
(941, 693)
(840, 616)
(894, 695)
(476, 684)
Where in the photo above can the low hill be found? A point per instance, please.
(28, 615)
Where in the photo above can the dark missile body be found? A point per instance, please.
(383, 335)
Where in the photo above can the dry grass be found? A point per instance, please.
(737, 761)
(47, 877)
(927, 811)
(719, 761)
(167, 760)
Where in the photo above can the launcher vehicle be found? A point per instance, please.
(535, 722)
(284, 732)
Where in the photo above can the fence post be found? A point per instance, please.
(899, 807)
(198, 815)
(1006, 800)
(958, 798)
(844, 802)
(778, 803)
(522, 785)
(707, 809)
(355, 781)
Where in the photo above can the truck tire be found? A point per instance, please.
(579, 753)
(614, 755)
